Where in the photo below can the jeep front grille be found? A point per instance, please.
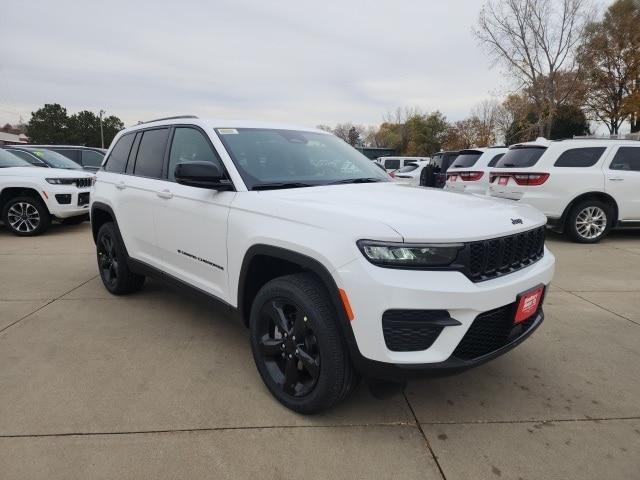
(492, 258)
(83, 182)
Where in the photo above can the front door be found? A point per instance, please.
(191, 222)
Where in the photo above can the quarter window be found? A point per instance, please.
(119, 154)
(150, 156)
(580, 157)
(627, 158)
(494, 160)
(190, 145)
(91, 158)
(392, 164)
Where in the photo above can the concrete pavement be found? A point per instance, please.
(162, 385)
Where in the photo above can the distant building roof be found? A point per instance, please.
(13, 138)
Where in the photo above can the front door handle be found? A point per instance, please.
(165, 194)
(121, 186)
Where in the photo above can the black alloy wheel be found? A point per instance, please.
(297, 345)
(288, 347)
(112, 263)
(108, 260)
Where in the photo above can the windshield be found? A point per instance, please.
(7, 159)
(289, 158)
(466, 160)
(54, 159)
(521, 157)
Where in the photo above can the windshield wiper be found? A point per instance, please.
(274, 186)
(356, 180)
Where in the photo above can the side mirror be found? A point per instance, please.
(201, 175)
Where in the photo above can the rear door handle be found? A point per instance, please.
(121, 186)
(616, 179)
(165, 194)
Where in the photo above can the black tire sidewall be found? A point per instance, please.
(127, 282)
(45, 216)
(330, 385)
(573, 214)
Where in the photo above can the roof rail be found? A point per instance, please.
(169, 118)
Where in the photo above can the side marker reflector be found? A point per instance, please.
(45, 195)
(346, 304)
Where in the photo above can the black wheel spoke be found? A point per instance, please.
(271, 347)
(309, 363)
(290, 375)
(280, 318)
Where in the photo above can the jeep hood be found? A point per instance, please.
(417, 214)
(40, 172)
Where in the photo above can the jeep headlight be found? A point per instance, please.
(409, 255)
(61, 181)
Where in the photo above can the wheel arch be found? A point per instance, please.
(249, 283)
(11, 192)
(102, 213)
(601, 196)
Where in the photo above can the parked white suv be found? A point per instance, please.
(469, 173)
(391, 164)
(31, 197)
(410, 174)
(300, 233)
(585, 187)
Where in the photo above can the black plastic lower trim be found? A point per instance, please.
(451, 366)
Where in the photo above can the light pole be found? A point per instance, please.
(102, 112)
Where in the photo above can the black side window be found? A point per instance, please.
(150, 156)
(70, 154)
(119, 155)
(627, 158)
(494, 160)
(91, 158)
(580, 157)
(394, 164)
(190, 145)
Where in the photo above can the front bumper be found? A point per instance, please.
(78, 205)
(373, 290)
(450, 366)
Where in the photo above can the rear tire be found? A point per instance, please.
(112, 263)
(589, 221)
(297, 345)
(26, 216)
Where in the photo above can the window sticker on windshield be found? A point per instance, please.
(227, 131)
(38, 153)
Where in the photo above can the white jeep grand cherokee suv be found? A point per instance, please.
(30, 197)
(585, 187)
(299, 232)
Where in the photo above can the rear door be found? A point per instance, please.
(138, 194)
(623, 181)
(191, 222)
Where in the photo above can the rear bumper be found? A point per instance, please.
(452, 365)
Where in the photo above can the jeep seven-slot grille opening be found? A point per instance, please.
(493, 258)
(414, 330)
(83, 182)
(491, 331)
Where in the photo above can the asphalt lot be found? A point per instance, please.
(162, 385)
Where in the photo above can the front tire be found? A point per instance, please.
(589, 221)
(112, 263)
(297, 345)
(26, 216)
